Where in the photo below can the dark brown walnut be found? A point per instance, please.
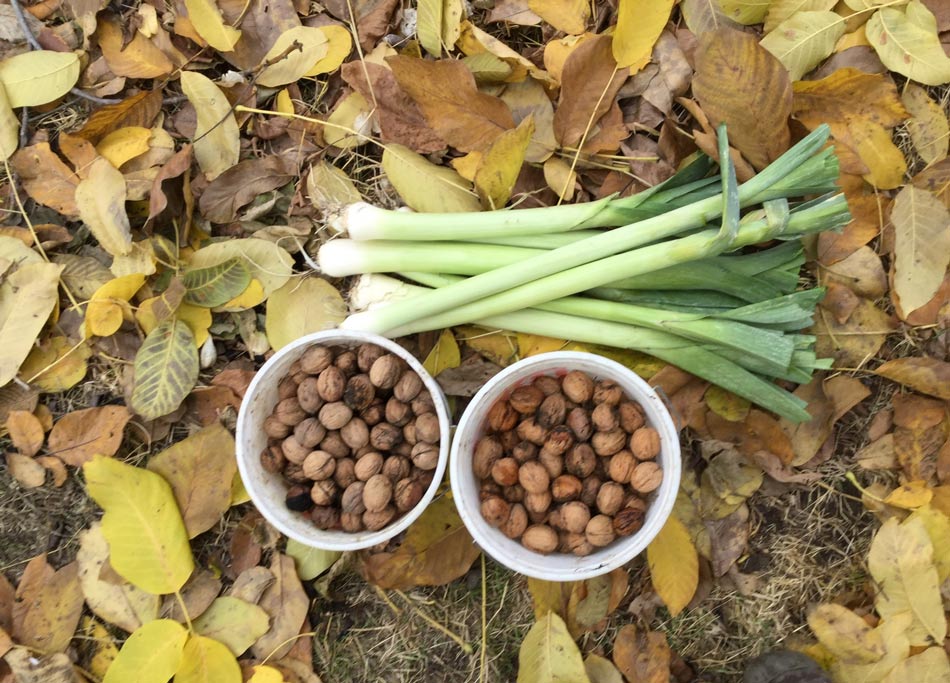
(502, 417)
(331, 383)
(310, 432)
(645, 443)
(374, 521)
(552, 411)
(286, 388)
(646, 477)
(578, 419)
(397, 467)
(293, 450)
(408, 387)
(384, 436)
(351, 521)
(580, 460)
(608, 443)
(540, 538)
(566, 487)
(605, 417)
(397, 412)
(386, 371)
(607, 391)
(505, 471)
(621, 466)
(487, 451)
(574, 517)
(526, 399)
(514, 493)
(495, 511)
(489, 488)
(427, 428)
(547, 384)
(516, 523)
(324, 492)
(403, 448)
(325, 517)
(631, 416)
(368, 465)
(289, 411)
(293, 473)
(319, 465)
(308, 396)
(377, 492)
(600, 531)
(407, 493)
(352, 498)
(509, 440)
(628, 521)
(538, 503)
(344, 473)
(552, 462)
(534, 477)
(316, 359)
(367, 354)
(334, 415)
(425, 456)
(333, 443)
(298, 498)
(422, 403)
(272, 459)
(275, 429)
(559, 440)
(530, 429)
(346, 361)
(590, 488)
(524, 451)
(374, 413)
(577, 386)
(359, 392)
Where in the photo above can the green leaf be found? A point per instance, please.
(745, 11)
(300, 307)
(549, 654)
(780, 10)
(907, 42)
(425, 186)
(148, 544)
(216, 285)
(803, 40)
(600, 670)
(429, 26)
(311, 562)
(166, 369)
(207, 661)
(234, 622)
(268, 263)
(38, 77)
(150, 655)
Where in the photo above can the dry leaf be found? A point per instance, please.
(39, 76)
(48, 607)
(233, 622)
(80, 435)
(921, 246)
(26, 432)
(100, 199)
(34, 289)
(548, 654)
(862, 272)
(674, 565)
(928, 126)
(217, 139)
(589, 86)
(855, 342)
(846, 635)
(300, 307)
(444, 355)
(241, 184)
(138, 111)
(642, 657)
(906, 40)
(207, 21)
(26, 470)
(138, 58)
(414, 178)
(500, 165)
(287, 605)
(802, 41)
(293, 54)
(926, 375)
(197, 594)
(46, 178)
(639, 24)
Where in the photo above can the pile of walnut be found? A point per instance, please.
(355, 435)
(565, 464)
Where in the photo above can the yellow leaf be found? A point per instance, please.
(148, 543)
(311, 562)
(674, 565)
(921, 245)
(501, 163)
(38, 77)
(639, 25)
(911, 495)
(166, 369)
(424, 186)
(239, 494)
(233, 622)
(266, 674)
(150, 655)
(570, 16)
(803, 40)
(124, 144)
(104, 650)
(293, 54)
(444, 355)
(467, 165)
(109, 306)
(533, 344)
(140, 259)
(938, 528)
(207, 21)
(120, 604)
(100, 198)
(930, 666)
(132, 56)
(350, 122)
(901, 562)
(780, 10)
(283, 102)
(745, 11)
(217, 138)
(600, 670)
(268, 263)
(302, 306)
(528, 98)
(727, 405)
(339, 46)
(560, 178)
(429, 25)
(9, 127)
(893, 634)
(846, 635)
(34, 289)
(253, 295)
(548, 654)
(928, 126)
(906, 40)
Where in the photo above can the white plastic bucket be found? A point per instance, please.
(557, 566)
(268, 491)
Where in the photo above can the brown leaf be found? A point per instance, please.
(856, 341)
(46, 178)
(936, 179)
(53, 464)
(261, 22)
(642, 657)
(210, 404)
(7, 596)
(943, 464)
(197, 595)
(589, 86)
(48, 606)
(251, 584)
(729, 537)
(867, 211)
(436, 550)
(240, 184)
(917, 450)
(929, 313)
(26, 470)
(926, 375)
(917, 412)
(861, 271)
(445, 91)
(235, 378)
(878, 455)
(174, 167)
(400, 118)
(79, 435)
(26, 432)
(137, 58)
(137, 110)
(27, 668)
(807, 437)
(758, 432)
(287, 605)
(840, 301)
(731, 67)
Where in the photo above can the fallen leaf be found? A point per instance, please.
(34, 288)
(926, 375)
(48, 613)
(55, 364)
(46, 178)
(745, 11)
(27, 668)
(197, 595)
(878, 455)
(137, 58)
(437, 24)
(310, 562)
(855, 342)
(730, 68)
(124, 144)
(38, 77)
(217, 138)
(138, 110)
(339, 46)
(207, 21)
(639, 25)
(642, 657)
(928, 126)
(862, 272)
(100, 647)
(867, 213)
(292, 55)
(9, 127)
(78, 436)
(500, 165)
(302, 306)
(921, 245)
(25, 431)
(109, 305)
(929, 666)
(593, 600)
(674, 565)
(287, 605)
(802, 41)
(269, 264)
(233, 622)
(241, 184)
(548, 654)
(204, 660)
(26, 470)
(780, 10)
(414, 178)
(150, 655)
(166, 369)
(702, 16)
(100, 199)
(148, 544)
(906, 41)
(910, 496)
(200, 469)
(600, 670)
(849, 637)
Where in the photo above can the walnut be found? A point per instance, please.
(397, 467)
(607, 391)
(574, 517)
(403, 448)
(621, 465)
(325, 517)
(289, 411)
(646, 477)
(577, 386)
(559, 440)
(422, 403)
(316, 359)
(386, 371)
(274, 428)
(286, 388)
(346, 362)
(628, 521)
(495, 511)
(538, 517)
(514, 493)
(359, 392)
(397, 412)
(501, 416)
(547, 384)
(610, 498)
(344, 473)
(590, 487)
(645, 443)
(427, 428)
(516, 523)
(377, 492)
(334, 444)
(309, 432)
(530, 430)
(408, 387)
(538, 503)
(487, 451)
(575, 544)
(600, 531)
(374, 413)
(352, 499)
(608, 443)
(324, 492)
(524, 451)
(298, 498)
(526, 399)
(293, 473)
(552, 411)
(566, 487)
(367, 354)
(272, 459)
(368, 466)
(319, 465)
(508, 440)
(384, 436)
(355, 434)
(578, 419)
(489, 488)
(308, 396)
(334, 415)
(580, 460)
(374, 521)
(552, 462)
(534, 477)
(351, 521)
(407, 493)
(425, 456)
(409, 432)
(540, 538)
(631, 416)
(605, 417)
(331, 383)
(505, 471)
(293, 450)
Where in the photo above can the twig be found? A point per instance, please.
(483, 655)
